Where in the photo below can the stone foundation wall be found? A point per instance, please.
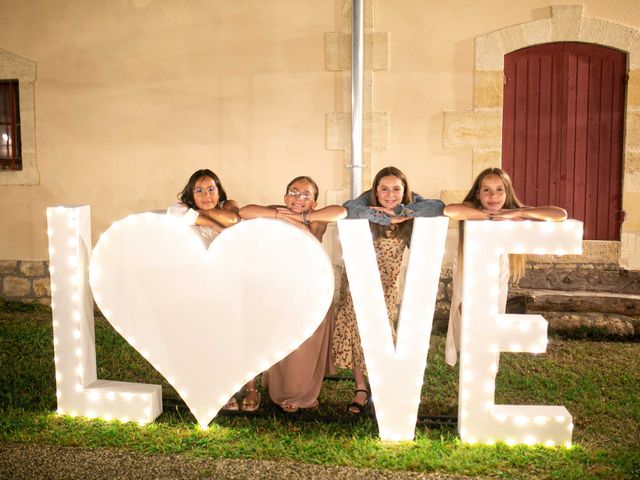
(585, 277)
(26, 281)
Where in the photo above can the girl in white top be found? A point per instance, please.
(204, 203)
(491, 198)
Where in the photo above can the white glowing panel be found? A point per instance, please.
(485, 333)
(78, 391)
(211, 319)
(395, 372)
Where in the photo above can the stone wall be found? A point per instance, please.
(29, 280)
(26, 281)
(583, 299)
(583, 277)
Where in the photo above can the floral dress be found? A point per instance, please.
(346, 346)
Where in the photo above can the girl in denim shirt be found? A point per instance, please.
(389, 206)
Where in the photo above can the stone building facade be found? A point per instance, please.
(276, 106)
(480, 129)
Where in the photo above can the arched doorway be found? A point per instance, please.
(562, 137)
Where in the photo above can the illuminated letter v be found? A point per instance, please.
(395, 372)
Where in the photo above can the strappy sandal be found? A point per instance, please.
(248, 405)
(359, 406)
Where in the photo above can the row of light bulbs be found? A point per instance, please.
(388, 433)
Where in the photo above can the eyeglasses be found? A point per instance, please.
(304, 196)
(208, 191)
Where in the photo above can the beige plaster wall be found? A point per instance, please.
(133, 95)
(432, 70)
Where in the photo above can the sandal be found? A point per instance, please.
(231, 405)
(249, 405)
(293, 408)
(356, 408)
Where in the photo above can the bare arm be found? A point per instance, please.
(192, 217)
(548, 213)
(203, 220)
(316, 219)
(330, 213)
(225, 217)
(273, 211)
(464, 211)
(319, 219)
(257, 211)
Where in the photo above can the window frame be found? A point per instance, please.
(14, 67)
(10, 144)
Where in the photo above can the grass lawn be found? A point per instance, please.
(598, 382)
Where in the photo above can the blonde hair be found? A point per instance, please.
(517, 262)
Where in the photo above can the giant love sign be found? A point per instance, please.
(210, 319)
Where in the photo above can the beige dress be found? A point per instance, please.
(297, 379)
(346, 345)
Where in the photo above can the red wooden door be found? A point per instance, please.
(563, 131)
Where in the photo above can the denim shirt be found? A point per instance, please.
(420, 207)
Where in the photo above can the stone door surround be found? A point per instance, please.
(481, 128)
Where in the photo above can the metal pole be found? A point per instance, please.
(357, 80)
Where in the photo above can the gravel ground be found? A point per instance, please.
(33, 462)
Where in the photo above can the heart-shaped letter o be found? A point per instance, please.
(210, 320)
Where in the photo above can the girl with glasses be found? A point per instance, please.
(295, 381)
(204, 203)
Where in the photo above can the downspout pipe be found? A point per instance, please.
(357, 80)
